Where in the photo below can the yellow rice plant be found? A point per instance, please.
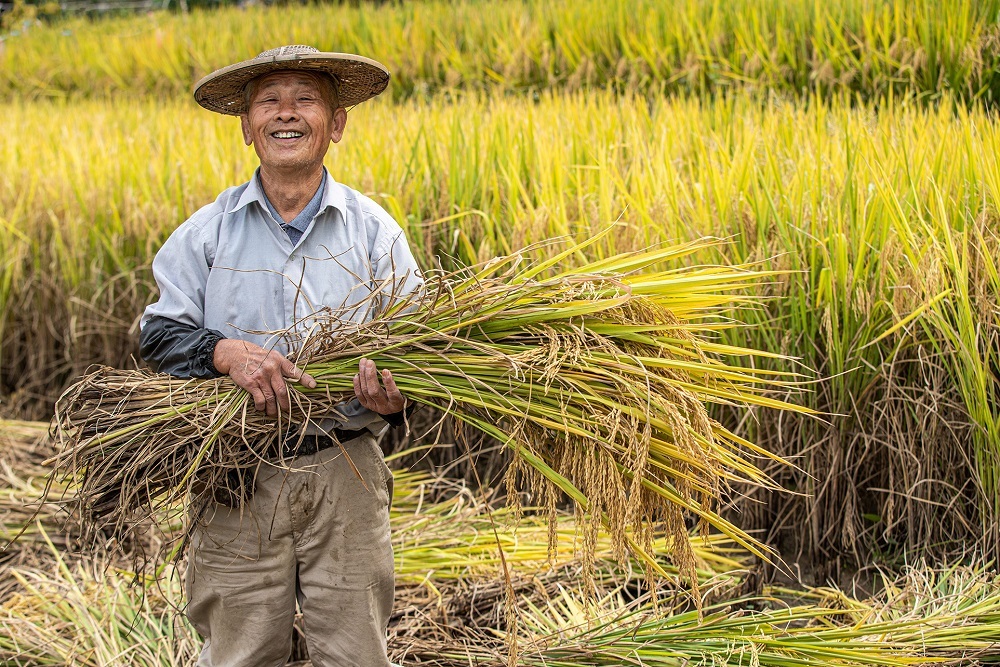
(875, 209)
(839, 46)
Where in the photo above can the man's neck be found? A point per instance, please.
(290, 193)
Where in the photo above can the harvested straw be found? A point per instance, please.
(597, 378)
(77, 613)
(459, 538)
(27, 523)
(948, 617)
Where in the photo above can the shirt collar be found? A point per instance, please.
(333, 195)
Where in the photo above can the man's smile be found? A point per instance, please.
(286, 134)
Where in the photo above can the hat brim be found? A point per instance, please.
(358, 78)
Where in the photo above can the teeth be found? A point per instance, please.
(287, 135)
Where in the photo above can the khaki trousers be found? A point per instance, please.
(317, 534)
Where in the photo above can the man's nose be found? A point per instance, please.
(287, 109)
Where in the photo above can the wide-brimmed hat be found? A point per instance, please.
(358, 78)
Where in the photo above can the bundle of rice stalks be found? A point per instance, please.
(597, 378)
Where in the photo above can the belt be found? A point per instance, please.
(297, 444)
(240, 482)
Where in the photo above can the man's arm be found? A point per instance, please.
(174, 339)
(186, 351)
(396, 276)
(179, 349)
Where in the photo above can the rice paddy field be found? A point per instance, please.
(849, 147)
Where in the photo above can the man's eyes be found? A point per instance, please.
(272, 100)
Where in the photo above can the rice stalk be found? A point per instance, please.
(452, 539)
(595, 377)
(954, 620)
(863, 49)
(441, 531)
(82, 614)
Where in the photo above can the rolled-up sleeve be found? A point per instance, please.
(179, 349)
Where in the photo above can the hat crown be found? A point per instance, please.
(289, 50)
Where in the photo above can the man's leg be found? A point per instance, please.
(241, 579)
(345, 556)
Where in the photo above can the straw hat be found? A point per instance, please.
(358, 78)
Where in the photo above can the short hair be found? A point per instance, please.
(327, 81)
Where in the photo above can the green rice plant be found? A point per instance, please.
(863, 47)
(597, 379)
(966, 330)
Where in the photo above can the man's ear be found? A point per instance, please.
(245, 126)
(339, 123)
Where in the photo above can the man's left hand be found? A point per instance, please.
(384, 400)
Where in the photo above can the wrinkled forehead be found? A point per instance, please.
(290, 78)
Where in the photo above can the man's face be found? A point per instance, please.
(290, 121)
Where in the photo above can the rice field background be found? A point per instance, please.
(865, 47)
(852, 143)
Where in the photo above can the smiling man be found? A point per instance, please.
(241, 283)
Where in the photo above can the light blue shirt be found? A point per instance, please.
(298, 226)
(231, 267)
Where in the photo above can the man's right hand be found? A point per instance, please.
(263, 373)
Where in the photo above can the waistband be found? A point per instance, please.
(297, 444)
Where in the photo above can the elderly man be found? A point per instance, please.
(268, 256)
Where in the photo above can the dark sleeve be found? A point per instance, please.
(181, 350)
(399, 418)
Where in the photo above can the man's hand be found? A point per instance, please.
(261, 372)
(372, 395)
